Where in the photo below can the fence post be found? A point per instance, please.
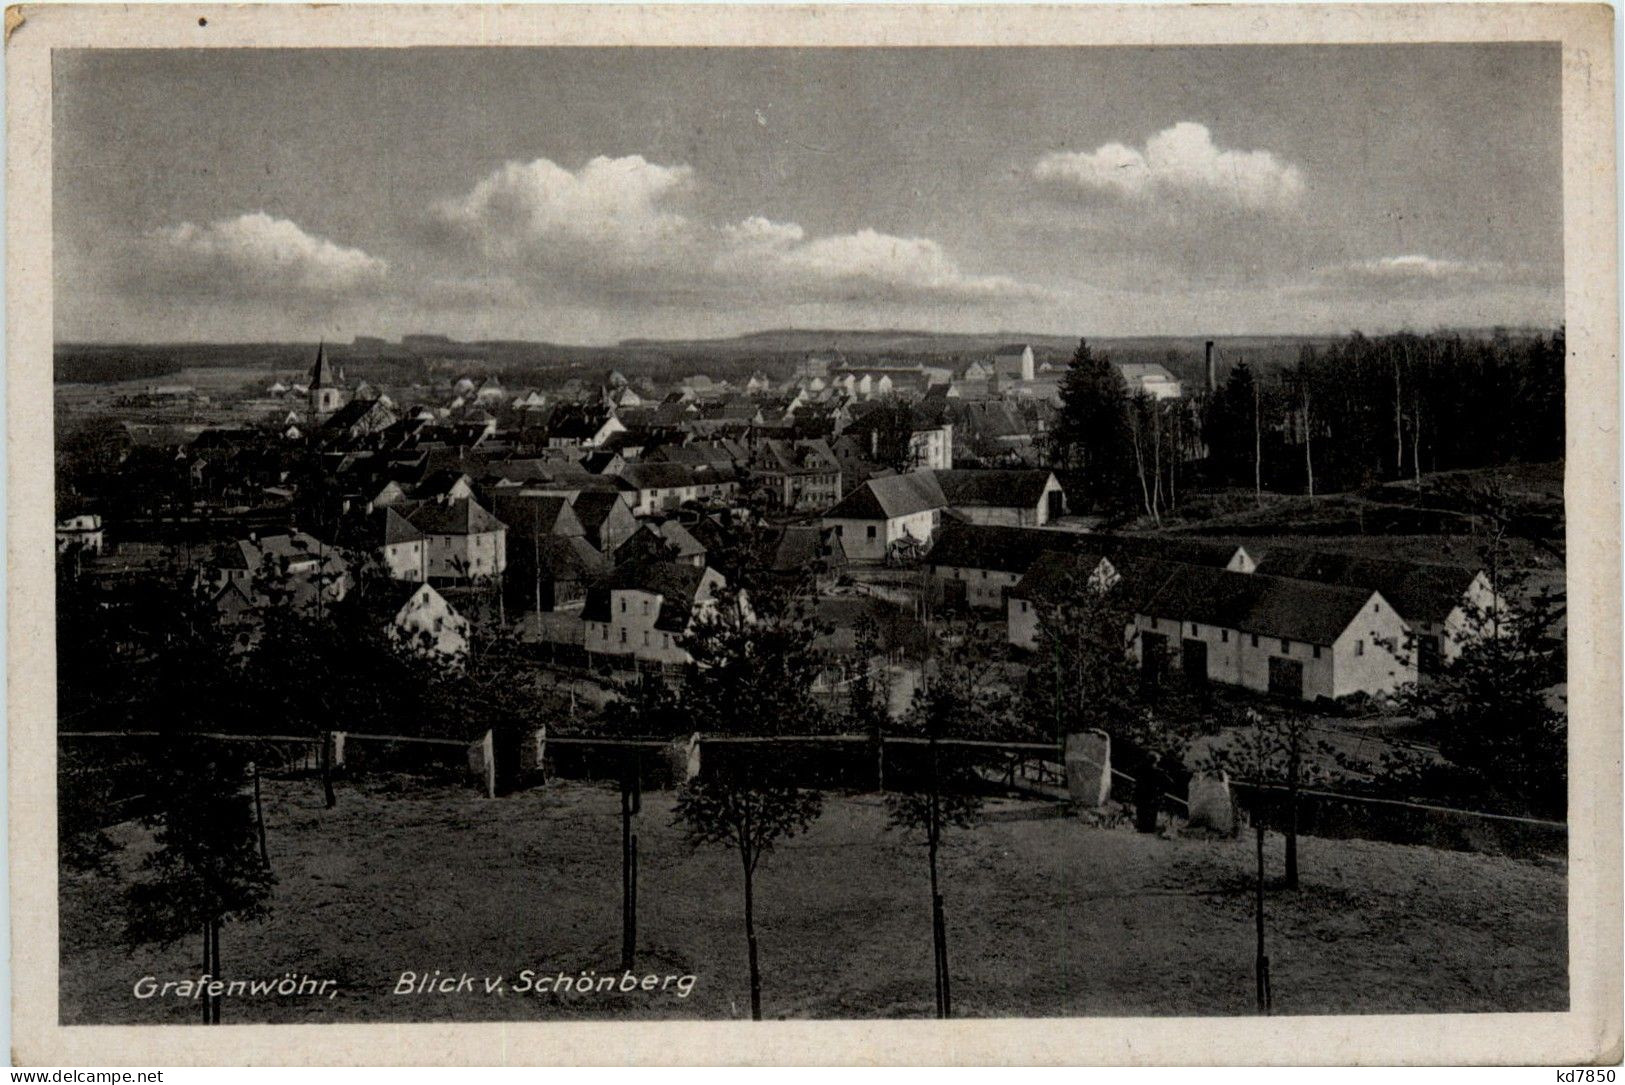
(338, 749)
(482, 759)
(1088, 758)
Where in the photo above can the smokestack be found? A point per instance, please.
(1212, 370)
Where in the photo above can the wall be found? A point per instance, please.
(858, 546)
(404, 560)
(1368, 653)
(983, 587)
(1255, 665)
(1021, 623)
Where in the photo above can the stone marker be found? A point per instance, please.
(1089, 767)
(338, 749)
(1211, 806)
(482, 763)
(683, 758)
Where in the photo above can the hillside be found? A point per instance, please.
(1047, 917)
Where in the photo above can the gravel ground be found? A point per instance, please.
(1047, 916)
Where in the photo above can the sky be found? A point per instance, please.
(590, 195)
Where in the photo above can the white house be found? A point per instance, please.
(442, 542)
(1445, 605)
(980, 564)
(1052, 576)
(1289, 638)
(421, 621)
(1013, 498)
(893, 514)
(1013, 363)
(83, 532)
(644, 609)
(1150, 379)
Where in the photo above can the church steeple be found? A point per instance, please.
(325, 394)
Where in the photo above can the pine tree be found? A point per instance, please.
(1091, 430)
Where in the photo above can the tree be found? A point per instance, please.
(1494, 709)
(206, 869)
(750, 676)
(962, 696)
(1091, 431)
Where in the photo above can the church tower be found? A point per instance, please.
(325, 394)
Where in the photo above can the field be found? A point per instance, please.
(1047, 916)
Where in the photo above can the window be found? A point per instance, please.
(1359, 647)
(623, 636)
(1376, 608)
(984, 574)
(1317, 651)
(1224, 636)
(1193, 629)
(871, 531)
(646, 606)
(623, 605)
(1023, 605)
(1286, 647)
(646, 638)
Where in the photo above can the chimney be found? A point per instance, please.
(1212, 370)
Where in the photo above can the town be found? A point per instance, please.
(1168, 596)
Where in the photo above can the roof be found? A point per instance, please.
(1269, 606)
(1004, 549)
(802, 547)
(993, 488)
(1011, 348)
(660, 475)
(537, 514)
(889, 497)
(1176, 548)
(1138, 371)
(460, 517)
(1423, 592)
(677, 585)
(565, 557)
(321, 375)
(1054, 573)
(593, 507)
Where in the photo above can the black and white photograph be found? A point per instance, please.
(624, 533)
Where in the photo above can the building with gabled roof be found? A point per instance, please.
(643, 610)
(1293, 639)
(1442, 603)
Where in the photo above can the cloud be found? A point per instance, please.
(621, 228)
(1418, 271)
(255, 255)
(1180, 165)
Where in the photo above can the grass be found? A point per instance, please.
(1046, 915)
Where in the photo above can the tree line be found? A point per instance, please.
(1354, 413)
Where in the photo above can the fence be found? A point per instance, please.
(1082, 770)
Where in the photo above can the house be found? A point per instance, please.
(552, 572)
(439, 542)
(651, 488)
(580, 429)
(461, 541)
(81, 534)
(419, 620)
(643, 610)
(530, 515)
(1444, 605)
(1289, 638)
(1013, 363)
(797, 477)
(356, 420)
(665, 541)
(1151, 379)
(979, 564)
(605, 517)
(1013, 498)
(1053, 575)
(806, 556)
(887, 517)
(294, 568)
